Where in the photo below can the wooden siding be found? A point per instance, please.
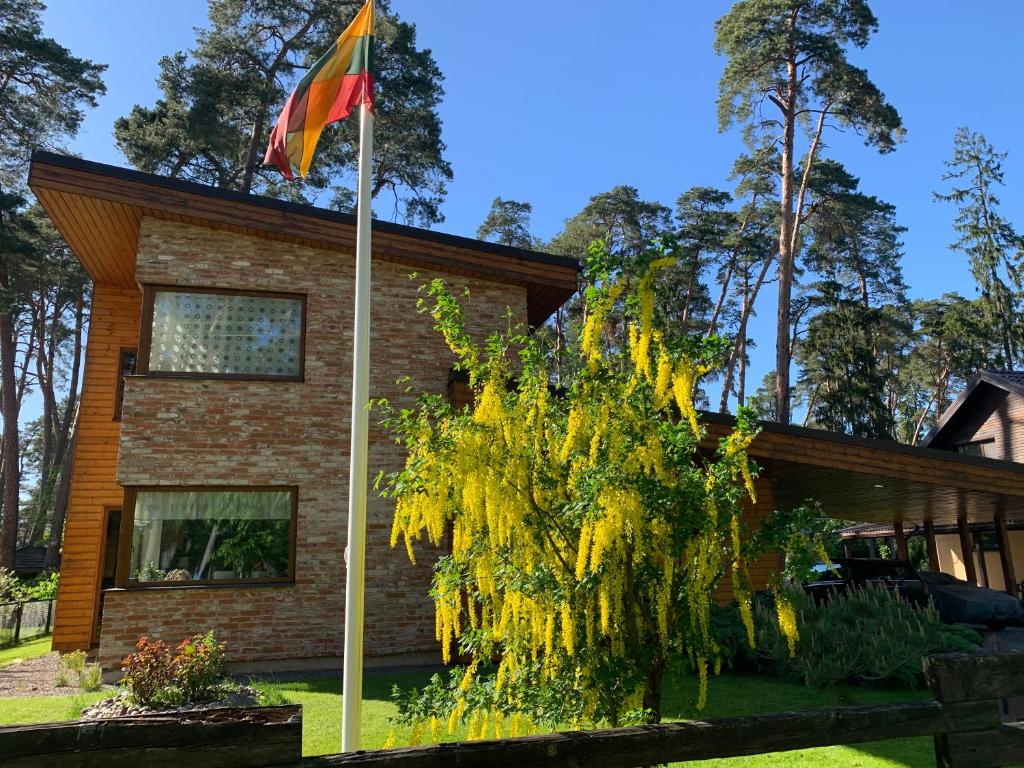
(114, 324)
(989, 414)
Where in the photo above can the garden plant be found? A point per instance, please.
(589, 525)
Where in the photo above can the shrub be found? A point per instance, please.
(193, 673)
(11, 588)
(868, 637)
(198, 666)
(147, 671)
(73, 670)
(44, 588)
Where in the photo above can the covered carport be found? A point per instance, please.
(883, 482)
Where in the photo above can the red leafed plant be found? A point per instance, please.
(148, 670)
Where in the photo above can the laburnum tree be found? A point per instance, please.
(590, 526)
(788, 73)
(220, 100)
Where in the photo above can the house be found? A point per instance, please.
(985, 420)
(210, 472)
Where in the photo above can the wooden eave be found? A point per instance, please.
(981, 377)
(98, 208)
(880, 481)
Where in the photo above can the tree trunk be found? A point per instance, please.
(9, 412)
(61, 500)
(653, 689)
(739, 348)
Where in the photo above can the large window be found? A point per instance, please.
(181, 536)
(220, 333)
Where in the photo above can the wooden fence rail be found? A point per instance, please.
(974, 719)
(966, 718)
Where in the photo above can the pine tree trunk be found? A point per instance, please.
(60, 501)
(9, 412)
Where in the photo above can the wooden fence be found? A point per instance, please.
(973, 696)
(975, 718)
(219, 738)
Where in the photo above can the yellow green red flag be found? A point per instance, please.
(340, 81)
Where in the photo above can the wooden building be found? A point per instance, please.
(211, 461)
(986, 420)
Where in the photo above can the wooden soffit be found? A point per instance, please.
(98, 207)
(880, 481)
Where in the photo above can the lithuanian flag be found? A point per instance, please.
(340, 81)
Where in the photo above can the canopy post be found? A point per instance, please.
(967, 550)
(1005, 556)
(933, 550)
(901, 541)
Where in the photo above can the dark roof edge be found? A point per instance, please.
(982, 376)
(871, 443)
(191, 187)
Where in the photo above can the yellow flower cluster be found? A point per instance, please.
(506, 487)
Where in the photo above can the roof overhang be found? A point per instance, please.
(98, 208)
(880, 481)
(979, 379)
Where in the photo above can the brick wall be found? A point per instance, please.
(217, 432)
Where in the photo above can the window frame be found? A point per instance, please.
(149, 291)
(122, 579)
(981, 443)
(122, 380)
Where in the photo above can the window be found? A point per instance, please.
(189, 535)
(224, 334)
(126, 367)
(976, 448)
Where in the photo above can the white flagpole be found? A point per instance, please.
(355, 555)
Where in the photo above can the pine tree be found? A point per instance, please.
(989, 241)
(788, 69)
(220, 99)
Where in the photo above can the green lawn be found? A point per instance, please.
(28, 650)
(729, 695)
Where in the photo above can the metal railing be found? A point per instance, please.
(24, 620)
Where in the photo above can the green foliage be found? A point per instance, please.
(193, 673)
(587, 533)
(43, 91)
(508, 223)
(198, 666)
(867, 637)
(11, 588)
(760, 38)
(992, 245)
(73, 669)
(220, 99)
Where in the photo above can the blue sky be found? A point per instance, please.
(552, 102)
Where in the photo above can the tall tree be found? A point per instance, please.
(219, 101)
(992, 245)
(949, 344)
(625, 225)
(788, 70)
(508, 223)
(44, 90)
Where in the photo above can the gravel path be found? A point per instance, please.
(33, 677)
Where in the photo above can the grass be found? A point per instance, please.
(29, 649)
(729, 695)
